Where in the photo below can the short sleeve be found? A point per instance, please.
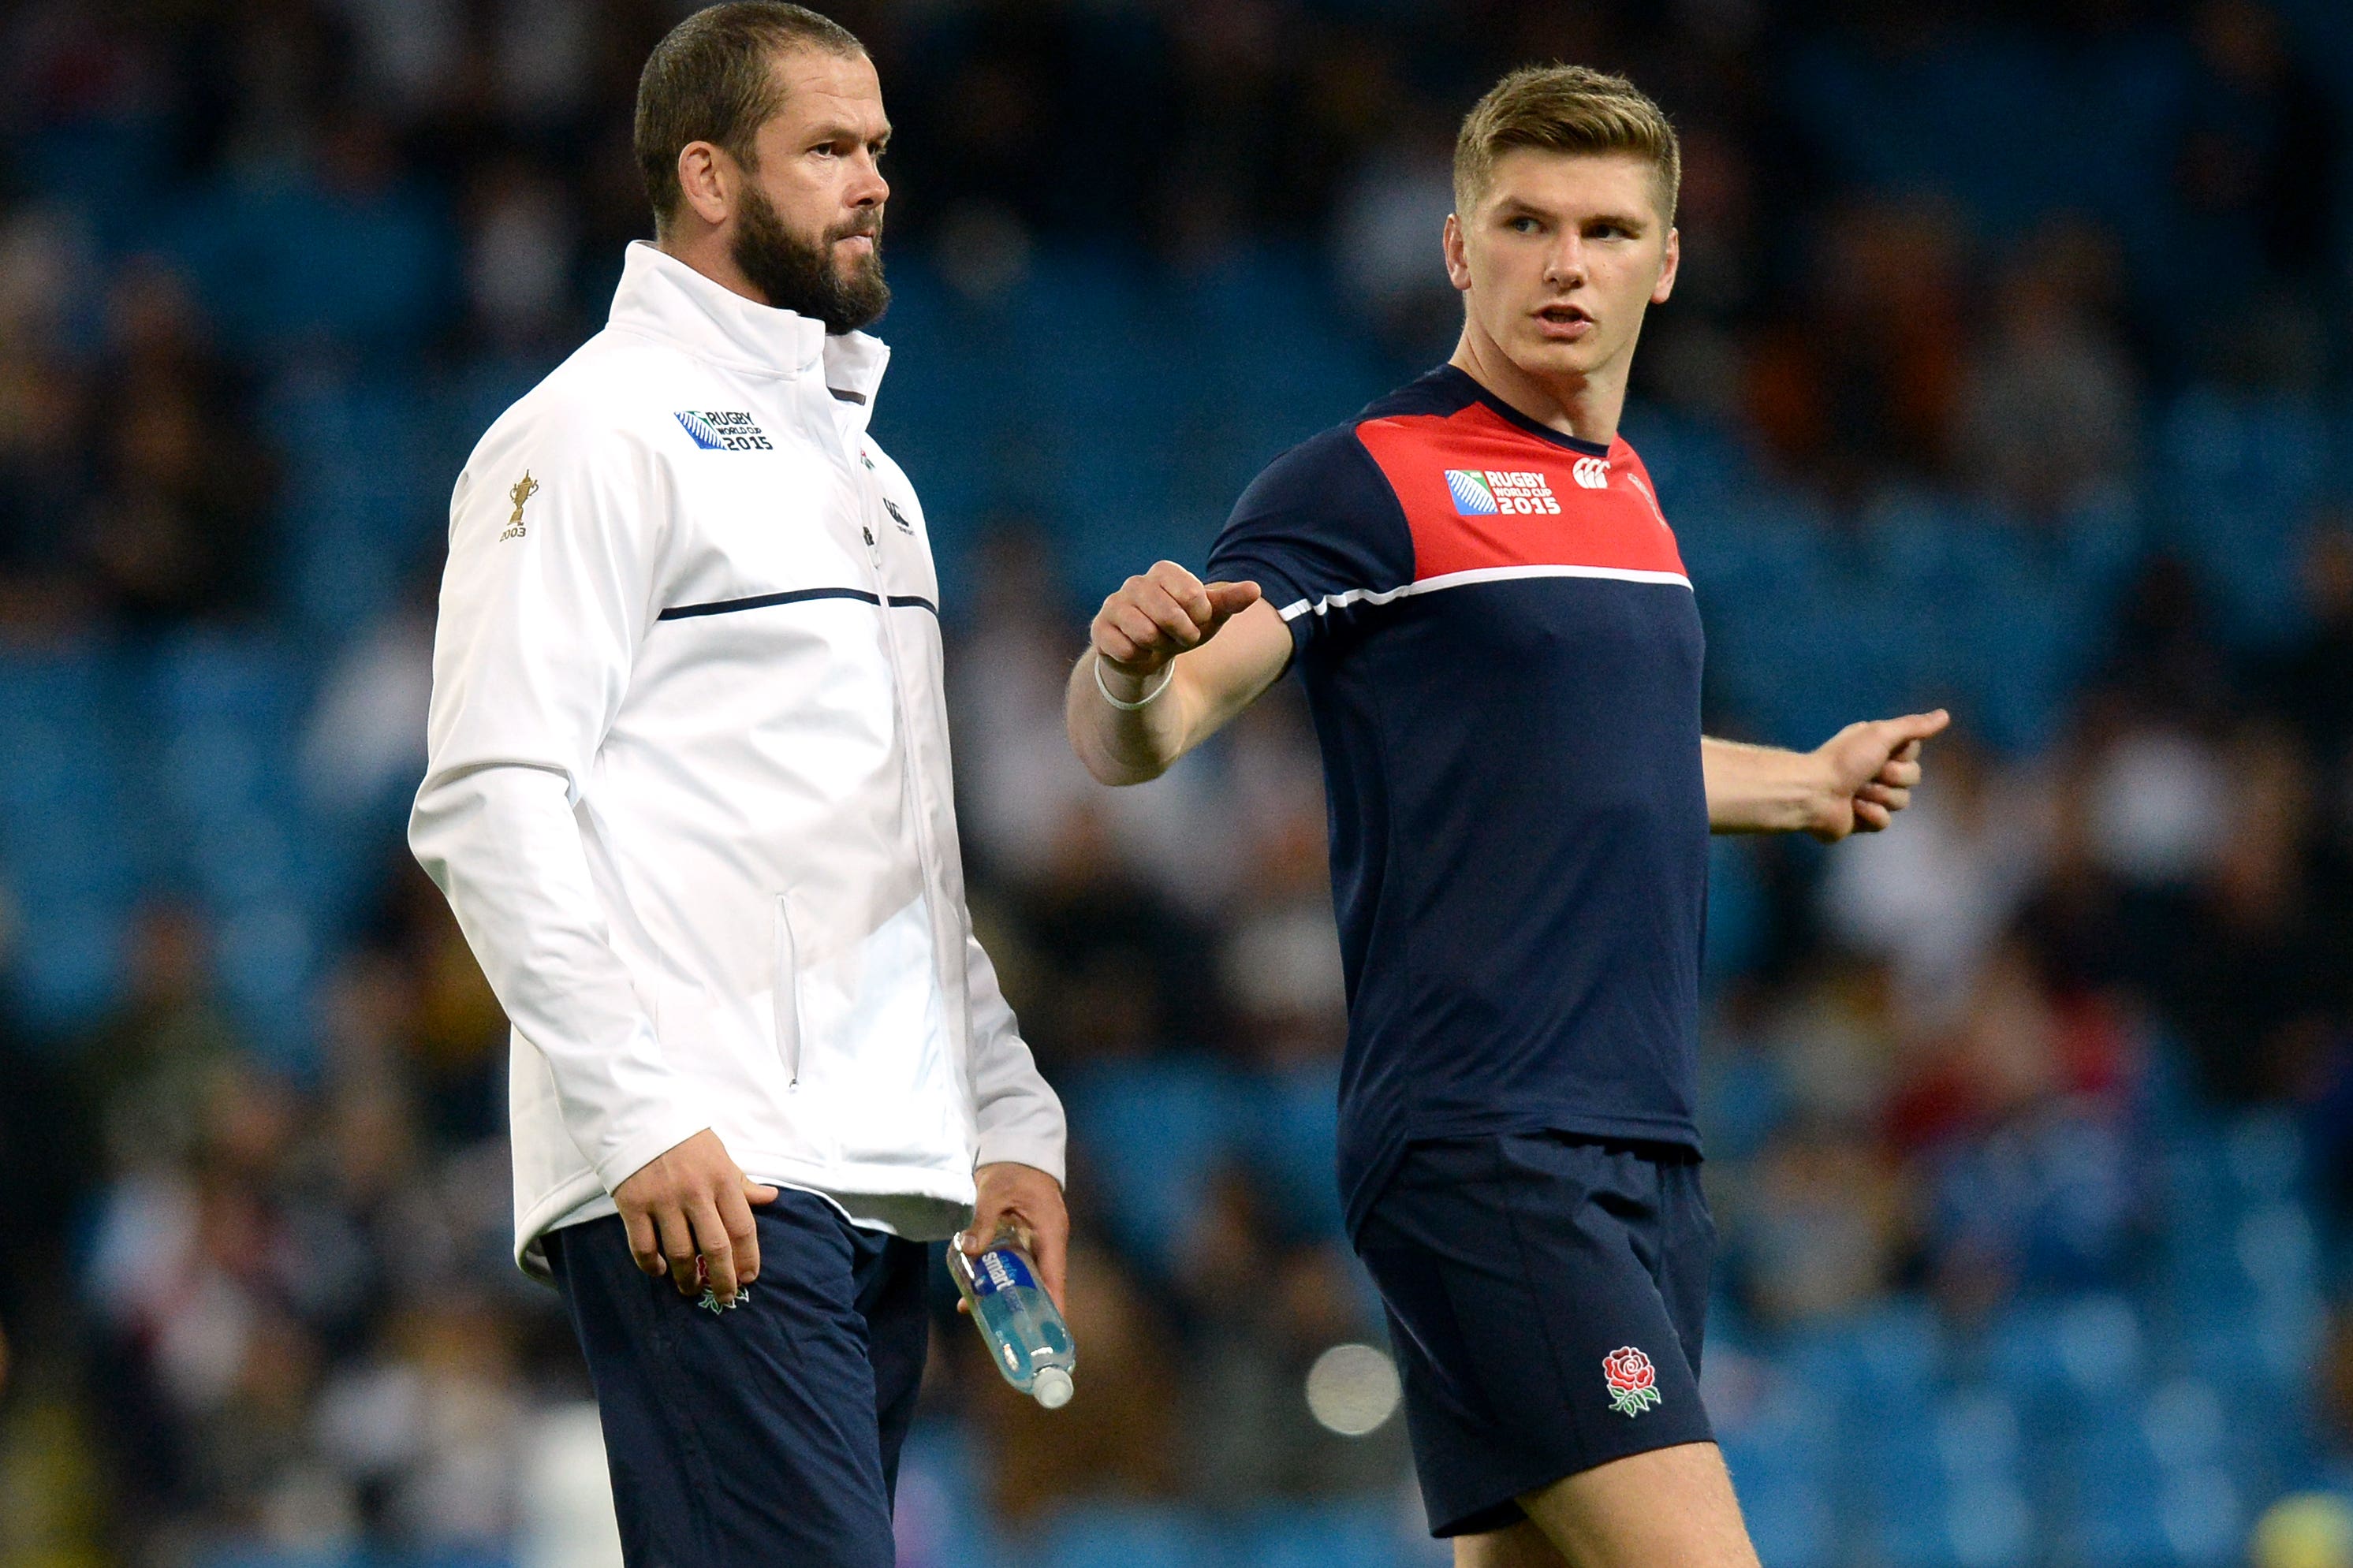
(1319, 525)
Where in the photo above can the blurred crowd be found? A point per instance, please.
(2006, 372)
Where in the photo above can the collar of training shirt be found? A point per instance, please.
(662, 297)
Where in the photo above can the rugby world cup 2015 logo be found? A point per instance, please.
(724, 430)
(1633, 1381)
(1484, 492)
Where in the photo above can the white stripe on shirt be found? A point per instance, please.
(1477, 574)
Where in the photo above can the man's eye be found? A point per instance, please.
(1523, 226)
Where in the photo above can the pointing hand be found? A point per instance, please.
(1870, 769)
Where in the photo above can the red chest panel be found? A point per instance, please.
(1480, 494)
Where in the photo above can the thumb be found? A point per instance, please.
(1914, 726)
(1229, 599)
(989, 1221)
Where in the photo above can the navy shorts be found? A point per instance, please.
(770, 1433)
(1546, 1295)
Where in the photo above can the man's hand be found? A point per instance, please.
(695, 1202)
(1028, 1202)
(1869, 771)
(1154, 617)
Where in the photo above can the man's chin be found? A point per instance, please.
(1554, 361)
(862, 288)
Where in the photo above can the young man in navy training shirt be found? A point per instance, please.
(1502, 653)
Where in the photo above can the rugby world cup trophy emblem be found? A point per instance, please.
(1633, 1381)
(526, 488)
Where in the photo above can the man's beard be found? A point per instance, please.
(802, 278)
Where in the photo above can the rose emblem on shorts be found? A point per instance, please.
(1633, 1381)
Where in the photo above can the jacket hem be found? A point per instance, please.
(535, 1219)
(533, 1222)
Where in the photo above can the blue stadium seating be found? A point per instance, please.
(1111, 1535)
(1291, 1124)
(282, 262)
(227, 711)
(1333, 1535)
(1155, 1131)
(2240, 478)
(367, 473)
(1776, 1426)
(73, 836)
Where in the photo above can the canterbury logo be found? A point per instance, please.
(1593, 473)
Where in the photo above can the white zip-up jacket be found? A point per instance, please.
(688, 790)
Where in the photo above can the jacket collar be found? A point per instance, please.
(662, 297)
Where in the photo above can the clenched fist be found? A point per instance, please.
(1159, 614)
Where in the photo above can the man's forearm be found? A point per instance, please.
(1015, 1113)
(1763, 789)
(1216, 646)
(1123, 746)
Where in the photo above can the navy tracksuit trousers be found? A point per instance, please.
(768, 1433)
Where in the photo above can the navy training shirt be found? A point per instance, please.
(1502, 653)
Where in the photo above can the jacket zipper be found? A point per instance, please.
(870, 492)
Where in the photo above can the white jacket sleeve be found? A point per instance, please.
(540, 624)
(1020, 1117)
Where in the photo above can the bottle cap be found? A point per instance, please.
(1052, 1388)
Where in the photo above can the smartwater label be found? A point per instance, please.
(1000, 1269)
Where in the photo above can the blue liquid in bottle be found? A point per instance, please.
(1018, 1321)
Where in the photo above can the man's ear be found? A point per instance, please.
(1666, 283)
(1458, 260)
(706, 178)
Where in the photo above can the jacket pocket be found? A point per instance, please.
(786, 994)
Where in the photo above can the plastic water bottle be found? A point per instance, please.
(1018, 1321)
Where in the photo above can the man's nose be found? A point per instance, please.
(1565, 268)
(869, 189)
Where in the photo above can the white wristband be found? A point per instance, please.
(1144, 701)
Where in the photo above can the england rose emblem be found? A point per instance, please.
(1633, 1381)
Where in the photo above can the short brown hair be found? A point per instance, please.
(1564, 109)
(714, 78)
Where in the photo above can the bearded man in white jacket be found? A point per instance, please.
(689, 797)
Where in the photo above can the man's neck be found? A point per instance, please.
(1585, 406)
(708, 254)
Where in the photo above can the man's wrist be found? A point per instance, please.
(626, 1158)
(1822, 804)
(987, 1166)
(1045, 1160)
(1121, 684)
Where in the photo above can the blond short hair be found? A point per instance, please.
(1564, 109)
